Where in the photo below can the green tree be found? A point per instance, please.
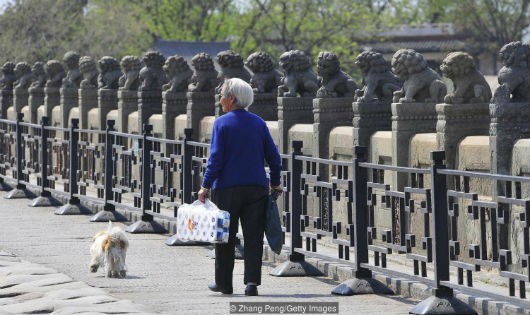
(488, 24)
(33, 30)
(113, 28)
(192, 20)
(277, 26)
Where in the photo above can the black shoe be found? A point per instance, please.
(251, 290)
(215, 288)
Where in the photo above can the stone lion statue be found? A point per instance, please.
(204, 77)
(470, 86)
(514, 76)
(23, 75)
(130, 66)
(299, 78)
(39, 75)
(232, 66)
(73, 75)
(89, 70)
(54, 73)
(152, 76)
(264, 79)
(109, 73)
(379, 83)
(8, 76)
(179, 74)
(332, 80)
(420, 83)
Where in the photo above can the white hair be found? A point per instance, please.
(240, 90)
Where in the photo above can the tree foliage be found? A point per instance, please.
(44, 29)
(487, 24)
(39, 29)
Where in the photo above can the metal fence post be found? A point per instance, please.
(147, 146)
(362, 281)
(74, 204)
(296, 202)
(108, 213)
(187, 176)
(20, 190)
(44, 156)
(146, 224)
(296, 266)
(45, 199)
(443, 300)
(19, 152)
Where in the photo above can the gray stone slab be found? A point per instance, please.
(118, 307)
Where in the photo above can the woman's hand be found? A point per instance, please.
(203, 193)
(278, 190)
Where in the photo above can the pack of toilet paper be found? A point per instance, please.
(202, 222)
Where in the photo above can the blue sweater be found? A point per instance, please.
(241, 143)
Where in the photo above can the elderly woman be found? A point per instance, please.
(241, 144)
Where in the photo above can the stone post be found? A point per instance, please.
(291, 111)
(107, 101)
(509, 123)
(217, 106)
(88, 99)
(127, 104)
(200, 105)
(368, 118)
(6, 101)
(265, 105)
(69, 100)
(409, 119)
(457, 121)
(20, 99)
(52, 98)
(173, 104)
(149, 103)
(36, 99)
(328, 113)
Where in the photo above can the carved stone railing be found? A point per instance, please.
(107, 101)
(36, 99)
(509, 123)
(291, 111)
(457, 121)
(149, 104)
(127, 104)
(409, 119)
(174, 104)
(52, 98)
(369, 117)
(88, 99)
(20, 99)
(328, 113)
(199, 106)
(69, 100)
(6, 101)
(265, 105)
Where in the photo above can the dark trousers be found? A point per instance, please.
(247, 203)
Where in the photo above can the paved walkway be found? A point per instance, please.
(44, 270)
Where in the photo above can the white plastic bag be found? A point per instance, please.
(202, 222)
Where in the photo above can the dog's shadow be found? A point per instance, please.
(128, 277)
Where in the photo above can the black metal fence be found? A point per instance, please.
(356, 217)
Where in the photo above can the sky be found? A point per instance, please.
(3, 4)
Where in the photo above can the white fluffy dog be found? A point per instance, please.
(109, 250)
